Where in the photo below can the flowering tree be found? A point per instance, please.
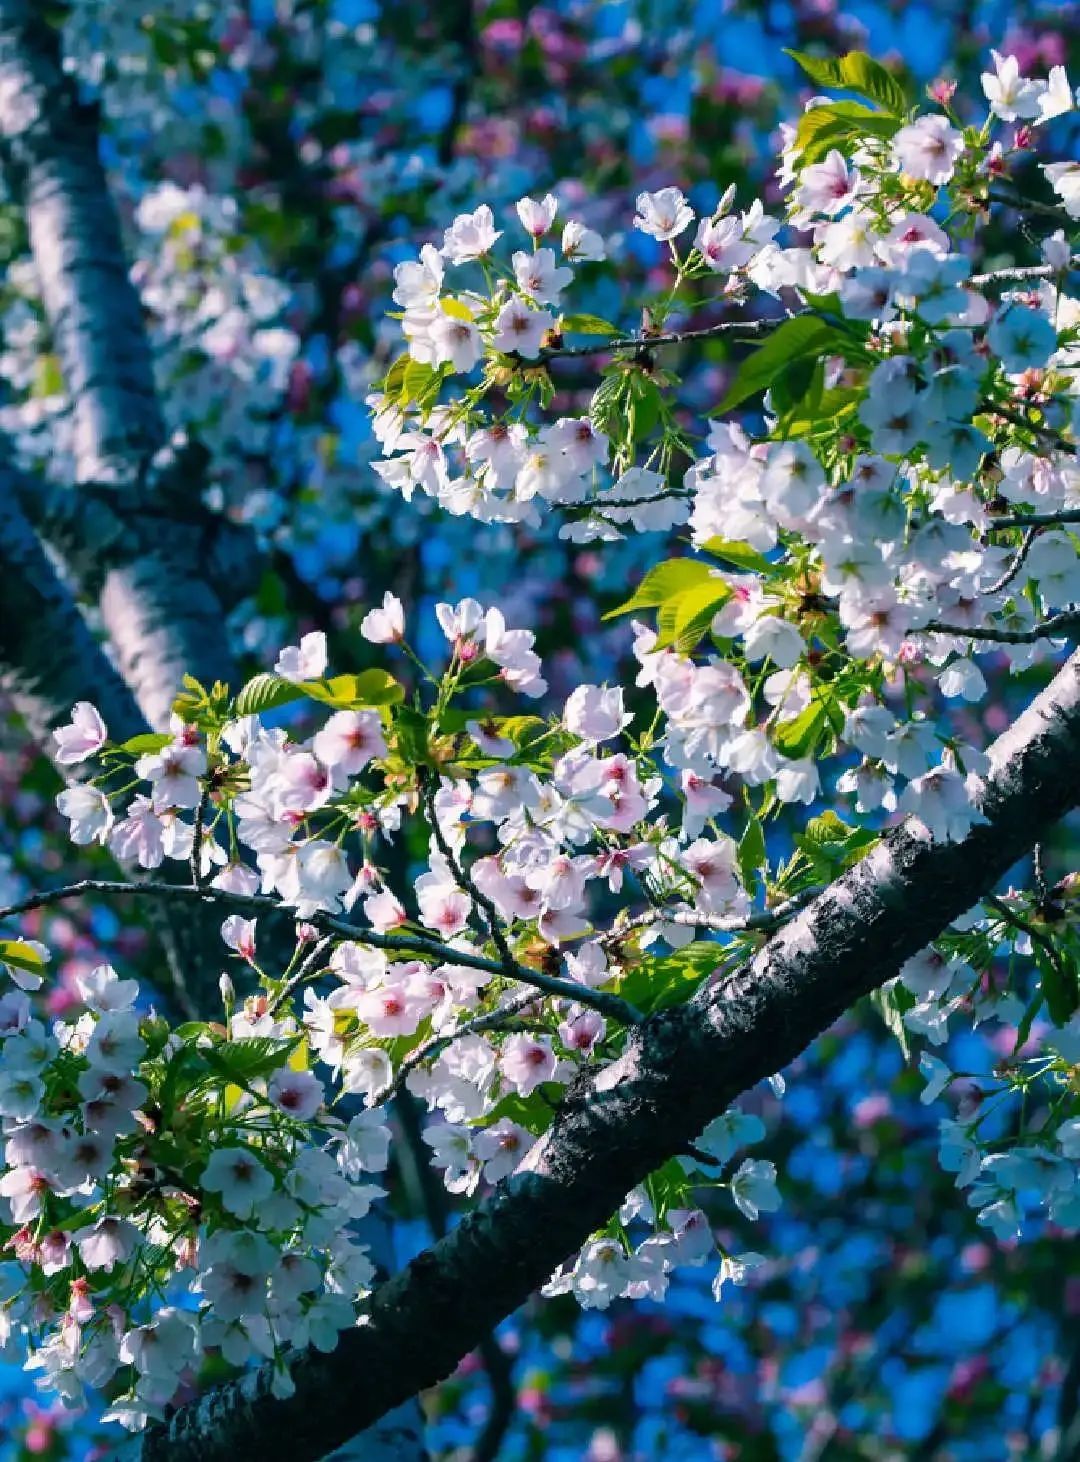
(570, 930)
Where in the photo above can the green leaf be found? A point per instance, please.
(645, 403)
(1060, 984)
(685, 618)
(657, 981)
(822, 70)
(822, 415)
(588, 325)
(146, 743)
(804, 336)
(355, 692)
(249, 1059)
(798, 387)
(664, 581)
(668, 1188)
(752, 851)
(48, 377)
(855, 72)
(185, 1068)
(890, 1002)
(200, 707)
(394, 379)
(605, 407)
(264, 692)
(741, 555)
(457, 310)
(520, 729)
(533, 1112)
(840, 125)
(21, 956)
(831, 845)
(412, 735)
(1023, 1030)
(798, 737)
(860, 72)
(413, 382)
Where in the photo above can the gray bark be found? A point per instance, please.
(48, 657)
(162, 616)
(51, 153)
(681, 1068)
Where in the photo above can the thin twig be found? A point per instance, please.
(614, 1007)
(1019, 559)
(1031, 205)
(198, 878)
(620, 343)
(1017, 418)
(764, 922)
(1038, 868)
(435, 1045)
(1017, 921)
(1016, 275)
(481, 903)
(1034, 520)
(304, 973)
(1058, 624)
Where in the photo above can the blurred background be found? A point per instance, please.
(273, 160)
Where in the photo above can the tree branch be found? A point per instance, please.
(762, 326)
(612, 1006)
(435, 1045)
(680, 1069)
(1067, 622)
(1034, 520)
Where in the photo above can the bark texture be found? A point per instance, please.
(681, 1068)
(161, 614)
(50, 142)
(48, 657)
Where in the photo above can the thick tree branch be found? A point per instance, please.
(1034, 520)
(681, 1068)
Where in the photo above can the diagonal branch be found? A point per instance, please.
(681, 1068)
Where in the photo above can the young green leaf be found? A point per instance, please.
(803, 336)
(663, 582)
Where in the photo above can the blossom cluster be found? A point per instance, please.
(167, 1193)
(559, 851)
(902, 504)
